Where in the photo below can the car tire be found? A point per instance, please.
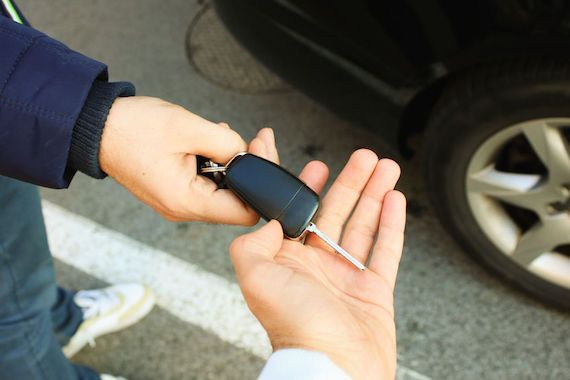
(477, 109)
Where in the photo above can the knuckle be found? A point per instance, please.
(391, 252)
(332, 217)
(363, 229)
(394, 229)
(234, 140)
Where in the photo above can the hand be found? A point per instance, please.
(149, 146)
(307, 296)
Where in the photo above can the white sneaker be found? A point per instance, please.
(108, 310)
(105, 376)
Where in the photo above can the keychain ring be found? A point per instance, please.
(213, 169)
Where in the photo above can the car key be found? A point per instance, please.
(274, 193)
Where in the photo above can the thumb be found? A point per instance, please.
(255, 248)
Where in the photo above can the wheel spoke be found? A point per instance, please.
(489, 190)
(552, 148)
(520, 190)
(543, 237)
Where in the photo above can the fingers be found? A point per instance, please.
(343, 195)
(219, 205)
(257, 147)
(315, 175)
(263, 145)
(257, 247)
(362, 227)
(217, 142)
(223, 206)
(388, 248)
(268, 138)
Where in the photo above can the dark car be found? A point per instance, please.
(487, 83)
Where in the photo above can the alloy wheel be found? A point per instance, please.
(518, 189)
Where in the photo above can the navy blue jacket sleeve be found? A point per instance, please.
(43, 88)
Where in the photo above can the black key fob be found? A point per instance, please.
(272, 192)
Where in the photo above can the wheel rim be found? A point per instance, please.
(524, 209)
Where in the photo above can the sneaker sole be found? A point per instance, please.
(80, 340)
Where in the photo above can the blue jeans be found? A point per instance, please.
(36, 317)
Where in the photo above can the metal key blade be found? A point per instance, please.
(313, 228)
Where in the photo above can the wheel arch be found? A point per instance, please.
(418, 110)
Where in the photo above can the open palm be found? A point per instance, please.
(306, 296)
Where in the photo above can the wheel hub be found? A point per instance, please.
(494, 189)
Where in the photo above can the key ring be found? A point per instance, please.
(213, 169)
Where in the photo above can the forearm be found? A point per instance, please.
(53, 104)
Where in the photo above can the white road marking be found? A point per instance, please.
(195, 296)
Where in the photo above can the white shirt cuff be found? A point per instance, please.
(301, 364)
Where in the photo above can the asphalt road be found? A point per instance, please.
(454, 320)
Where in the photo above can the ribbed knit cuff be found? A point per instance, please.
(86, 137)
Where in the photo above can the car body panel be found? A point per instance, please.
(367, 60)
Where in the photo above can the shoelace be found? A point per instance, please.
(94, 303)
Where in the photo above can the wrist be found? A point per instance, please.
(86, 138)
(300, 363)
(360, 360)
(109, 150)
(341, 360)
